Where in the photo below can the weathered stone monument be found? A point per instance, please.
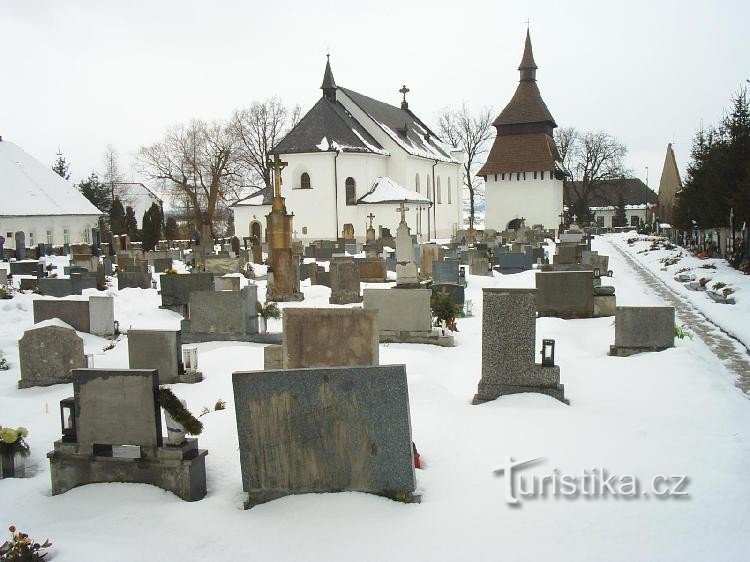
(344, 281)
(406, 268)
(95, 315)
(328, 337)
(61, 287)
(223, 316)
(47, 352)
(112, 432)
(428, 253)
(404, 316)
(227, 283)
(160, 350)
(133, 280)
(176, 289)
(508, 356)
(565, 294)
(324, 430)
(643, 328)
(283, 280)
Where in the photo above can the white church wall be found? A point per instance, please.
(363, 168)
(77, 227)
(246, 215)
(538, 201)
(314, 209)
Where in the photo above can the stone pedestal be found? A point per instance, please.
(643, 328)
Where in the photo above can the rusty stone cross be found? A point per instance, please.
(402, 209)
(277, 166)
(371, 217)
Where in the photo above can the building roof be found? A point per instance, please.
(405, 128)
(385, 190)
(328, 126)
(263, 196)
(30, 188)
(526, 105)
(634, 193)
(521, 153)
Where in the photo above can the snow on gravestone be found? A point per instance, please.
(324, 430)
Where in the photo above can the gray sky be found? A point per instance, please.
(82, 74)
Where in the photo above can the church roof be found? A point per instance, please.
(633, 190)
(526, 105)
(30, 188)
(261, 197)
(405, 128)
(385, 190)
(521, 153)
(328, 126)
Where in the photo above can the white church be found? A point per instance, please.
(352, 159)
(523, 176)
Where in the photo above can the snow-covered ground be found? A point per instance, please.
(672, 413)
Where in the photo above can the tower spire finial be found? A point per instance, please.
(329, 84)
(528, 66)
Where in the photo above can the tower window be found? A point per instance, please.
(416, 182)
(502, 176)
(534, 175)
(304, 181)
(429, 195)
(351, 191)
(542, 174)
(449, 191)
(438, 194)
(518, 176)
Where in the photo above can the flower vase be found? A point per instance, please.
(175, 431)
(12, 464)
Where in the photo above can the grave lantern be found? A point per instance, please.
(609, 273)
(462, 272)
(68, 420)
(548, 353)
(190, 358)
(153, 283)
(597, 273)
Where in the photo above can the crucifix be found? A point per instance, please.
(404, 90)
(277, 166)
(371, 217)
(575, 218)
(402, 209)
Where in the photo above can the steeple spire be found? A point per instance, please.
(329, 84)
(528, 66)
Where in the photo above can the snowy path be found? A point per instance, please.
(727, 348)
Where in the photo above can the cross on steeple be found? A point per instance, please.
(371, 217)
(404, 90)
(402, 208)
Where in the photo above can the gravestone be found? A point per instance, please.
(47, 352)
(643, 328)
(456, 291)
(324, 430)
(329, 337)
(428, 253)
(513, 262)
(73, 312)
(508, 355)
(60, 287)
(372, 270)
(479, 265)
(113, 408)
(565, 294)
(160, 350)
(227, 283)
(446, 271)
(161, 264)
(344, 281)
(404, 316)
(20, 246)
(29, 284)
(134, 280)
(566, 254)
(27, 267)
(176, 289)
(3, 277)
(221, 265)
(222, 316)
(102, 315)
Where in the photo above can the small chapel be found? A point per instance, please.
(352, 161)
(523, 175)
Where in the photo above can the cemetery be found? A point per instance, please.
(410, 329)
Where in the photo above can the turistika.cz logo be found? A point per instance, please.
(594, 483)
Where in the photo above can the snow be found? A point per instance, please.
(323, 144)
(425, 151)
(386, 190)
(733, 319)
(28, 187)
(674, 412)
(369, 146)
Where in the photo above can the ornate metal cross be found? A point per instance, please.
(371, 217)
(402, 209)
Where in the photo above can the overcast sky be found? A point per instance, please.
(81, 74)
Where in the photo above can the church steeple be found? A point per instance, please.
(329, 84)
(528, 66)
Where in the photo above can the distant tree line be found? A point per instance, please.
(717, 183)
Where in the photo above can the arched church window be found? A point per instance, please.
(304, 181)
(351, 191)
(542, 174)
(438, 195)
(449, 191)
(429, 195)
(534, 175)
(416, 183)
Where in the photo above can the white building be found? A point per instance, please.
(351, 156)
(137, 196)
(640, 201)
(36, 201)
(522, 173)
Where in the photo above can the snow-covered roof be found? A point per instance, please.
(627, 207)
(28, 187)
(261, 197)
(385, 190)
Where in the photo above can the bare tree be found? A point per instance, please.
(198, 164)
(258, 129)
(471, 133)
(112, 174)
(590, 160)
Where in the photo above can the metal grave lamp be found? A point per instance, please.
(548, 353)
(190, 358)
(597, 273)
(610, 274)
(68, 420)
